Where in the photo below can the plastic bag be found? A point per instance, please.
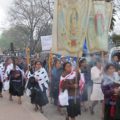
(63, 98)
(28, 92)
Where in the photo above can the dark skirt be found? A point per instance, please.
(55, 96)
(73, 109)
(1, 86)
(16, 88)
(84, 95)
(107, 113)
(38, 97)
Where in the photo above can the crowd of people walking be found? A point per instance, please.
(78, 87)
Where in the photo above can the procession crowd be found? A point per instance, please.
(77, 85)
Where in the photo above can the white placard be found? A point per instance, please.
(46, 42)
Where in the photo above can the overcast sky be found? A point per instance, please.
(5, 5)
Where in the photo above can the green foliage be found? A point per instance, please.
(115, 37)
(19, 35)
(5, 42)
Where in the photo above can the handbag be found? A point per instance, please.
(63, 98)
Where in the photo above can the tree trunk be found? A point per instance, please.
(31, 42)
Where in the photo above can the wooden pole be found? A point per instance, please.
(102, 56)
(78, 55)
(50, 61)
(28, 56)
(13, 54)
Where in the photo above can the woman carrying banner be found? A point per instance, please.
(111, 90)
(38, 85)
(70, 82)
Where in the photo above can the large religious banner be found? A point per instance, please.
(71, 19)
(99, 25)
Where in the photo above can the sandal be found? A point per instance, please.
(1, 95)
(19, 102)
(91, 111)
(36, 108)
(67, 118)
(10, 98)
(41, 110)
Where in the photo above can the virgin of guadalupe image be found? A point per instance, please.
(74, 19)
(99, 24)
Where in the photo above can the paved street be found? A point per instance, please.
(52, 114)
(13, 111)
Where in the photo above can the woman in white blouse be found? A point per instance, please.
(96, 76)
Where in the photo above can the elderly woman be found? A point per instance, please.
(111, 90)
(38, 85)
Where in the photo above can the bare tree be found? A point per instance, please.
(116, 12)
(34, 14)
(117, 8)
